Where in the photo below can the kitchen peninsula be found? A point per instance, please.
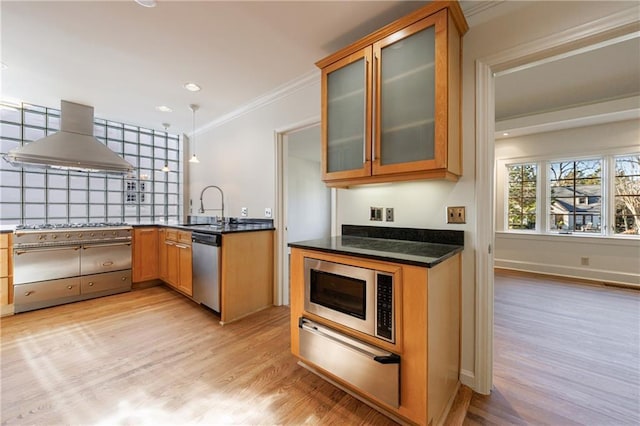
(245, 260)
(392, 293)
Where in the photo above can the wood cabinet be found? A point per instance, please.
(391, 102)
(145, 254)
(175, 260)
(246, 274)
(6, 273)
(427, 316)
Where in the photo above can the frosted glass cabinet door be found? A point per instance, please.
(407, 83)
(346, 121)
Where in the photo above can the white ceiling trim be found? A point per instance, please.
(580, 116)
(279, 92)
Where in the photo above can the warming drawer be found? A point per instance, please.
(366, 367)
(109, 281)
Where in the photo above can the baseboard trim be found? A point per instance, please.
(6, 310)
(587, 275)
(468, 378)
(560, 277)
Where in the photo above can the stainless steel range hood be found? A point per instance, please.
(74, 147)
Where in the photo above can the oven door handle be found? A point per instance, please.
(88, 246)
(18, 252)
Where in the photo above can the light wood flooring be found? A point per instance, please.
(564, 354)
(153, 357)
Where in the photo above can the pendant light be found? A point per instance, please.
(194, 108)
(166, 150)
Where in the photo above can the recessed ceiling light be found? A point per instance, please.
(164, 108)
(146, 3)
(505, 134)
(192, 87)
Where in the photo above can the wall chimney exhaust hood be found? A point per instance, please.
(72, 148)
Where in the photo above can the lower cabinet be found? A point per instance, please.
(145, 249)
(175, 260)
(6, 274)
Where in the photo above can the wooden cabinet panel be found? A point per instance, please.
(404, 123)
(145, 254)
(162, 254)
(246, 266)
(6, 270)
(185, 283)
(175, 260)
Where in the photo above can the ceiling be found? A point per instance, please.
(125, 59)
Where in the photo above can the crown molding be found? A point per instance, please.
(274, 95)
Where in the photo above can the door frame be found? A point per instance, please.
(582, 37)
(280, 293)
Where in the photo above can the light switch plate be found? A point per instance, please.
(456, 214)
(375, 213)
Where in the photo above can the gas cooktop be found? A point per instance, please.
(48, 226)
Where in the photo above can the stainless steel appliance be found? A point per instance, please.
(358, 298)
(55, 264)
(360, 364)
(205, 251)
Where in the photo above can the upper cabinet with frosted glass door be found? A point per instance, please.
(391, 102)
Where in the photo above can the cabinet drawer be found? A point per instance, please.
(4, 241)
(184, 237)
(119, 280)
(47, 290)
(171, 234)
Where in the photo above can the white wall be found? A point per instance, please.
(612, 259)
(240, 155)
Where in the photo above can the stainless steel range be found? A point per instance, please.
(62, 263)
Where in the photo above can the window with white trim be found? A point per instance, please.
(590, 196)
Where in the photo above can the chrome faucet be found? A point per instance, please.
(221, 200)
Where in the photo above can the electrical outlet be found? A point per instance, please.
(244, 212)
(584, 261)
(375, 213)
(267, 212)
(456, 215)
(389, 214)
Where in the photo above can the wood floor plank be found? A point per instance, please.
(564, 354)
(153, 357)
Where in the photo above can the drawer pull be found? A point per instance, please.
(108, 263)
(69, 287)
(91, 284)
(124, 278)
(27, 293)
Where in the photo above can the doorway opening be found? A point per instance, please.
(304, 202)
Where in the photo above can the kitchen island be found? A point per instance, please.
(411, 327)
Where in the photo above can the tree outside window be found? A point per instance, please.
(576, 196)
(627, 195)
(522, 196)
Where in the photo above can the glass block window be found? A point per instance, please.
(35, 195)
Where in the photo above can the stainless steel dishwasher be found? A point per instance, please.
(206, 270)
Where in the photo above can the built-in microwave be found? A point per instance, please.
(359, 298)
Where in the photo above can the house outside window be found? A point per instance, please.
(592, 196)
(575, 196)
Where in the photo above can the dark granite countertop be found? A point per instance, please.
(412, 246)
(237, 225)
